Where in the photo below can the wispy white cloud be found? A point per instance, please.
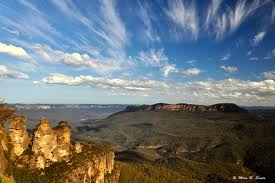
(248, 53)
(192, 72)
(229, 69)
(153, 57)
(11, 73)
(167, 69)
(157, 58)
(14, 51)
(113, 83)
(258, 38)
(74, 59)
(212, 11)
(113, 25)
(33, 23)
(191, 61)
(15, 32)
(269, 74)
(184, 15)
(107, 26)
(267, 57)
(273, 12)
(226, 57)
(147, 17)
(221, 22)
(254, 58)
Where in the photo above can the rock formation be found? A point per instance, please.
(3, 137)
(50, 150)
(3, 149)
(18, 134)
(4, 142)
(63, 137)
(78, 147)
(44, 142)
(222, 107)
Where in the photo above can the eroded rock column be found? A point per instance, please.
(18, 134)
(63, 136)
(44, 142)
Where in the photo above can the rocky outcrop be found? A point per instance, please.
(3, 162)
(222, 107)
(3, 137)
(63, 137)
(5, 113)
(99, 169)
(51, 145)
(18, 134)
(44, 143)
(49, 156)
(78, 147)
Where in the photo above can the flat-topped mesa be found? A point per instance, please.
(222, 107)
(18, 134)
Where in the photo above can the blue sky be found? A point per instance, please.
(135, 52)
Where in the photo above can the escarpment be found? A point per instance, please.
(222, 107)
(47, 155)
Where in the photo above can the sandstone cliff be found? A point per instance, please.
(47, 154)
(222, 107)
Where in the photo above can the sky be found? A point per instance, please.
(137, 52)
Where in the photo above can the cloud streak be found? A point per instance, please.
(74, 59)
(242, 92)
(258, 38)
(146, 16)
(226, 57)
(222, 20)
(192, 72)
(229, 69)
(11, 73)
(184, 16)
(114, 83)
(14, 51)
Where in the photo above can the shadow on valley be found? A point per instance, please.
(86, 128)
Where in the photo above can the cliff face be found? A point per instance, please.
(3, 148)
(222, 107)
(100, 169)
(48, 155)
(4, 142)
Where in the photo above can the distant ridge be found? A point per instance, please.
(220, 107)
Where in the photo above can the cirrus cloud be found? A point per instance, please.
(229, 69)
(184, 16)
(258, 38)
